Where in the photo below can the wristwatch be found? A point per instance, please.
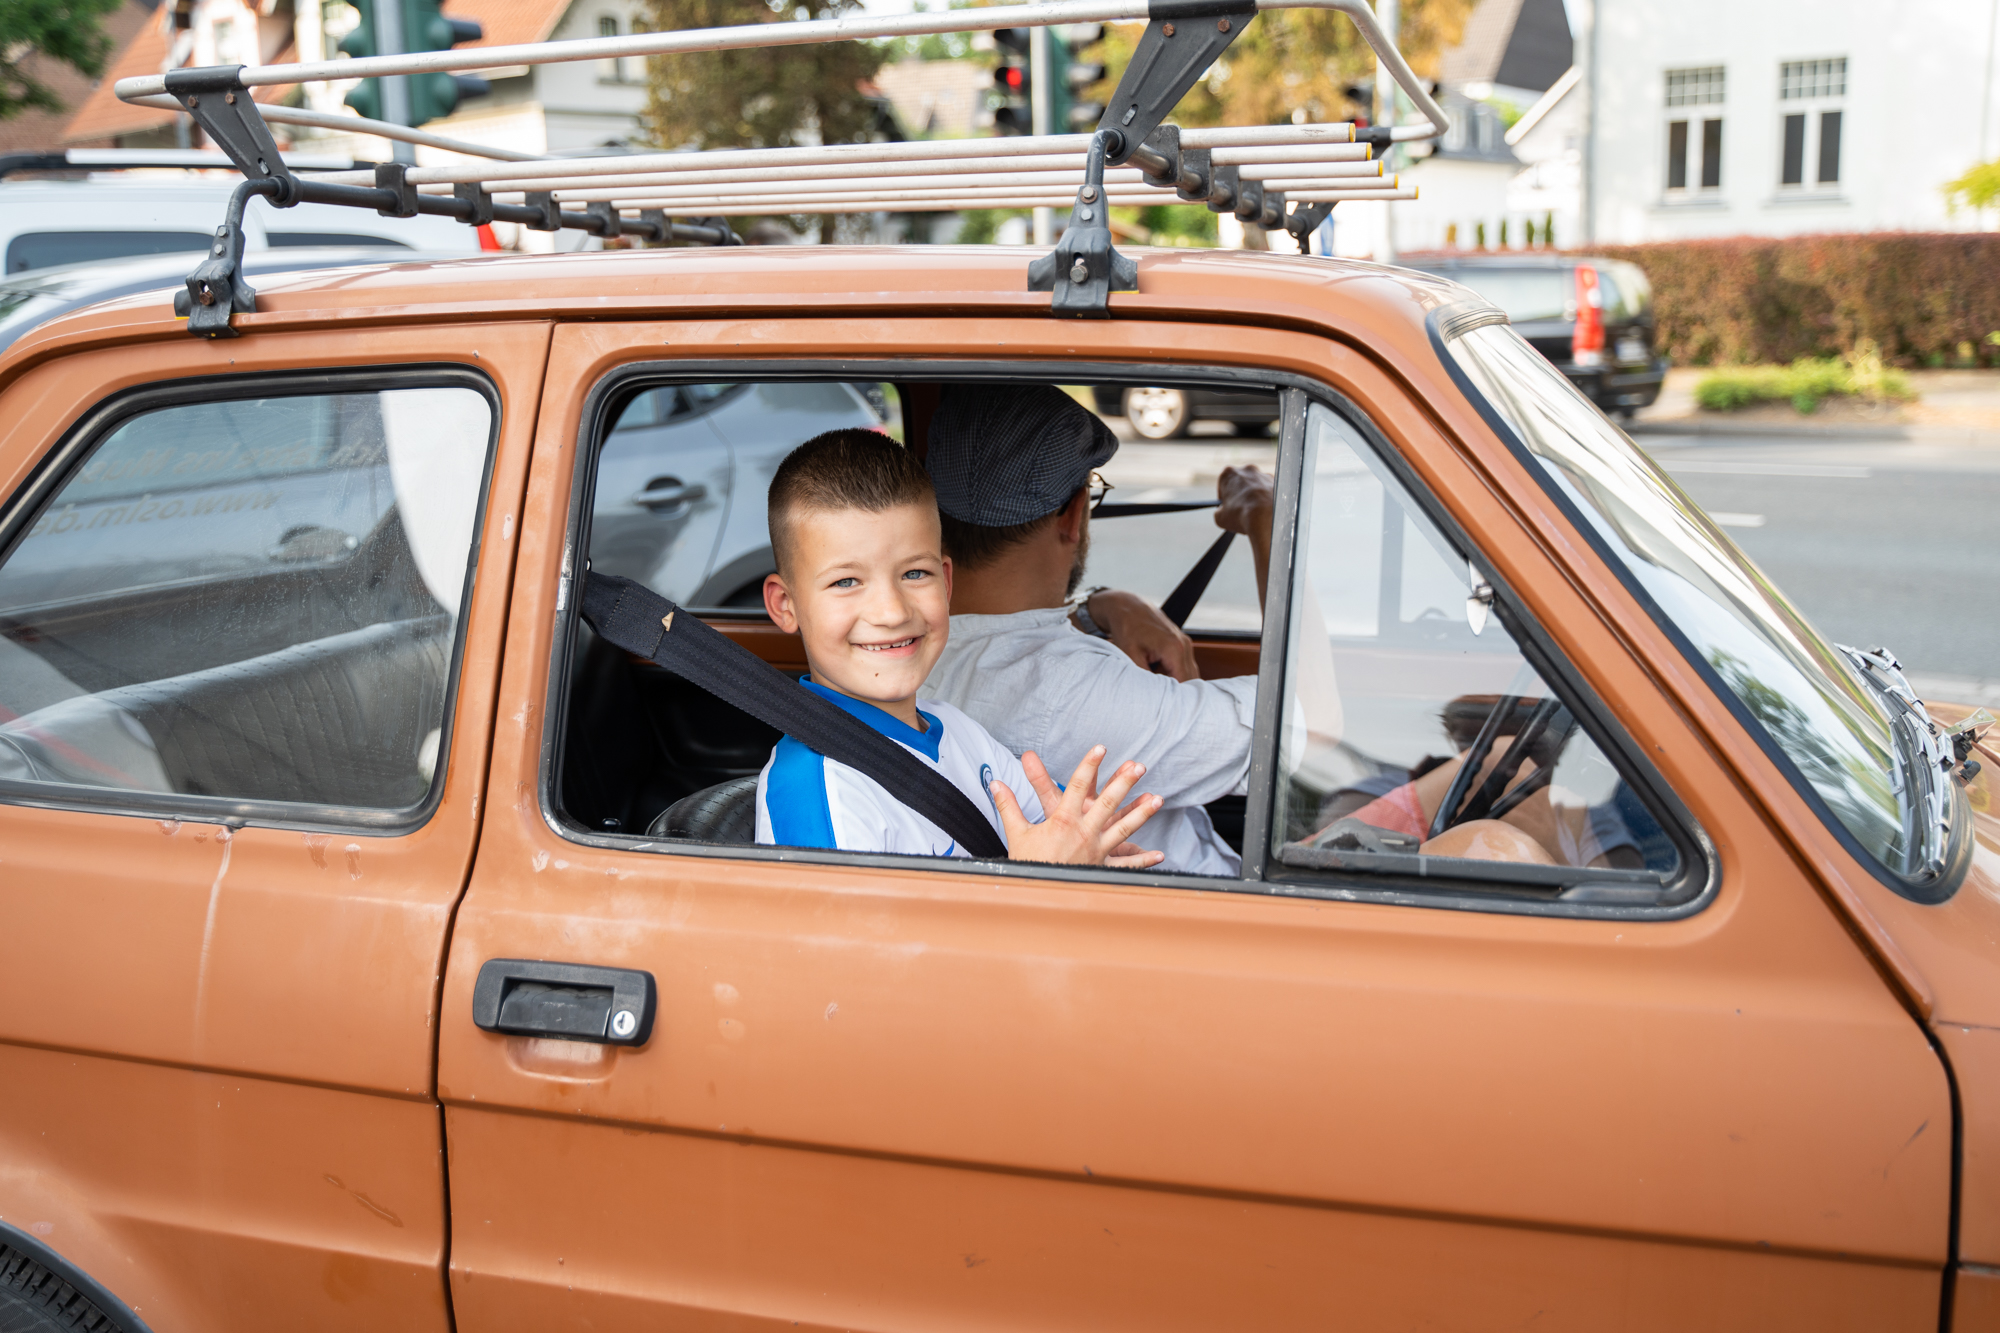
(1081, 615)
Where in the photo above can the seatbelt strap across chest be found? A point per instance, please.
(631, 616)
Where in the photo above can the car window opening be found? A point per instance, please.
(1411, 745)
(252, 600)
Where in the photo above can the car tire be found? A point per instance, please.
(36, 1299)
(1157, 414)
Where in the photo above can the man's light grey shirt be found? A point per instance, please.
(1038, 683)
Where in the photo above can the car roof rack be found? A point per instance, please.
(1286, 176)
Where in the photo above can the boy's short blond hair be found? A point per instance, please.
(843, 469)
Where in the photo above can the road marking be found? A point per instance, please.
(1724, 518)
(1773, 469)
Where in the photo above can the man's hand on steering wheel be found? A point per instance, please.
(1136, 627)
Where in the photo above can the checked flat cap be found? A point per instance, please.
(1002, 454)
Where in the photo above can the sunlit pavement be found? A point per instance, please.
(1891, 542)
(1885, 541)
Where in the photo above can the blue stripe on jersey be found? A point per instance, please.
(924, 742)
(795, 796)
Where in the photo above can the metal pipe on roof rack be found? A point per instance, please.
(380, 129)
(1251, 158)
(859, 27)
(981, 198)
(1052, 177)
(1276, 136)
(885, 205)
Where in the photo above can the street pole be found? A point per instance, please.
(1586, 204)
(1039, 103)
(395, 87)
(1389, 14)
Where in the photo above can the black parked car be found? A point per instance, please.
(1592, 317)
(1166, 414)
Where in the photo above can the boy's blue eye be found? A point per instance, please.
(916, 573)
(847, 583)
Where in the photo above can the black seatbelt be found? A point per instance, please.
(639, 620)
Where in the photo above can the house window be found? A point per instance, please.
(612, 70)
(1694, 139)
(1811, 92)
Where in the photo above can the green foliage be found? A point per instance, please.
(68, 31)
(1977, 188)
(761, 97)
(977, 226)
(932, 45)
(1172, 224)
(1805, 383)
(1292, 62)
(1758, 300)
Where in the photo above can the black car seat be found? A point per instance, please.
(335, 721)
(726, 812)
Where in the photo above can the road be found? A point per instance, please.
(1889, 542)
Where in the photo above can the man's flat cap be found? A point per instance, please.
(1002, 454)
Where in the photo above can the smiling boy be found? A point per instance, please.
(863, 581)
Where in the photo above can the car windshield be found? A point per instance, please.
(1526, 294)
(1820, 713)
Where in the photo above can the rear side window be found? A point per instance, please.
(253, 599)
(46, 249)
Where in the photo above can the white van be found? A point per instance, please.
(44, 223)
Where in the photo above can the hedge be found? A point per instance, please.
(1922, 297)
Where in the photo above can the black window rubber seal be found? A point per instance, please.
(1690, 893)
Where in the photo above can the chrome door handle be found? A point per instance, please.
(668, 493)
(568, 1001)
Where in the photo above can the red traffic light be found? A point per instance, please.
(1011, 78)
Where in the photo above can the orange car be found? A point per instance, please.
(345, 982)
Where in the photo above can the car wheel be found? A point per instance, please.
(36, 1299)
(1157, 414)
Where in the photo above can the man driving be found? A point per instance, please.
(1012, 468)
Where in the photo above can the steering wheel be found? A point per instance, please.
(1548, 716)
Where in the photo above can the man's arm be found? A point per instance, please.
(1248, 496)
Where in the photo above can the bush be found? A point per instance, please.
(1752, 299)
(1806, 383)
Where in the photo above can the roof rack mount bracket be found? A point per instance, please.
(216, 290)
(1182, 39)
(215, 96)
(1084, 269)
(1304, 220)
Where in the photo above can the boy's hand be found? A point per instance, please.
(1083, 827)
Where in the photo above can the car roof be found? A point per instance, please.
(1374, 301)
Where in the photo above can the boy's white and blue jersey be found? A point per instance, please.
(807, 800)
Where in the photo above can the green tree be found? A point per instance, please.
(1977, 188)
(69, 31)
(1295, 63)
(759, 97)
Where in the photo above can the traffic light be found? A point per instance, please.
(1074, 75)
(424, 29)
(1011, 90)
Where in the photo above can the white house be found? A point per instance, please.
(1511, 54)
(1720, 118)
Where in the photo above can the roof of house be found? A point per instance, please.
(1517, 43)
(103, 116)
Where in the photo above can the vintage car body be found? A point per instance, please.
(244, 1086)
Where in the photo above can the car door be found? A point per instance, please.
(250, 609)
(664, 494)
(869, 1092)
